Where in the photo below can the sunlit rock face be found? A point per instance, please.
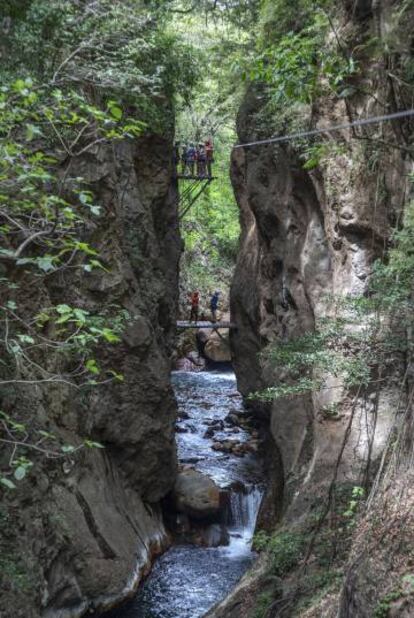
(309, 236)
(91, 524)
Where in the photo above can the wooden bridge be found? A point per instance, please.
(202, 324)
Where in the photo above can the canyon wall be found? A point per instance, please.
(308, 236)
(82, 530)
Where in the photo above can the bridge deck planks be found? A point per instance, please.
(202, 324)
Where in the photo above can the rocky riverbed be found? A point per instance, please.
(213, 509)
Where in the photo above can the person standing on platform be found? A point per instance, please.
(201, 161)
(214, 301)
(191, 158)
(209, 156)
(195, 304)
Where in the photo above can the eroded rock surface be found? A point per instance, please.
(89, 525)
(308, 236)
(215, 344)
(197, 495)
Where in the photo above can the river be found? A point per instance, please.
(188, 580)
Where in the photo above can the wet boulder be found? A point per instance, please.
(232, 419)
(215, 344)
(217, 347)
(216, 424)
(209, 433)
(181, 429)
(225, 446)
(197, 495)
(191, 362)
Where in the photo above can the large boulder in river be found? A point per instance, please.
(215, 344)
(192, 362)
(217, 347)
(197, 495)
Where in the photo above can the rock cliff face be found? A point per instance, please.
(307, 235)
(84, 530)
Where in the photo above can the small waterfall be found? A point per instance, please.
(243, 511)
(244, 508)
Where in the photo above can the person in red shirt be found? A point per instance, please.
(195, 303)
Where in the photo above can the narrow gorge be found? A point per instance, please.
(157, 155)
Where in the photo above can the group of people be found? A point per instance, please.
(195, 159)
(195, 305)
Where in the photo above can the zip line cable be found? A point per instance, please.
(338, 127)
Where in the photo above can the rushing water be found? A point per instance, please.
(188, 580)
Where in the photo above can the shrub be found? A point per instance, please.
(284, 548)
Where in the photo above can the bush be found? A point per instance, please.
(284, 548)
(263, 603)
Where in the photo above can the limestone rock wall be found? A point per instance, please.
(83, 530)
(307, 235)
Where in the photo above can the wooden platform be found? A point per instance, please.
(186, 324)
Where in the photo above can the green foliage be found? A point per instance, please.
(74, 75)
(315, 586)
(117, 49)
(212, 225)
(277, 17)
(392, 280)
(403, 589)
(14, 574)
(43, 215)
(318, 153)
(300, 387)
(334, 347)
(302, 64)
(211, 12)
(263, 603)
(297, 57)
(331, 411)
(30, 188)
(284, 548)
(358, 494)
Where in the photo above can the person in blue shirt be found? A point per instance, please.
(191, 158)
(214, 305)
